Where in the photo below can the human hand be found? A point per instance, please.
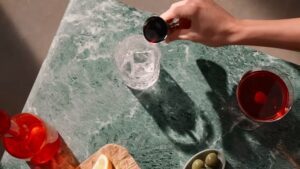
(210, 24)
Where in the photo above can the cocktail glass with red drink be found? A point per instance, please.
(264, 95)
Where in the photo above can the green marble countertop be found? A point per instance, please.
(192, 107)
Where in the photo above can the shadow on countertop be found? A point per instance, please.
(277, 136)
(18, 68)
(174, 111)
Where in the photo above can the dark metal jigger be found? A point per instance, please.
(156, 29)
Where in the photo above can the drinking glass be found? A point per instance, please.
(264, 94)
(138, 62)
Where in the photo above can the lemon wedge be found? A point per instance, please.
(103, 163)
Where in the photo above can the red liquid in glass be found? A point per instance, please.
(263, 96)
(28, 138)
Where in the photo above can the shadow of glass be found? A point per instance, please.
(233, 140)
(277, 136)
(175, 114)
(228, 166)
(281, 137)
(223, 103)
(18, 68)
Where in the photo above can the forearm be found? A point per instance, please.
(272, 33)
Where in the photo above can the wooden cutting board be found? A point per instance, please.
(118, 155)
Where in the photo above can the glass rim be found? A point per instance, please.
(287, 83)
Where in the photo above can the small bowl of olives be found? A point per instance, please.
(207, 159)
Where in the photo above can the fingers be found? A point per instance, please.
(180, 34)
(178, 10)
(175, 11)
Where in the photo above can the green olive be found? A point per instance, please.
(211, 160)
(198, 164)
